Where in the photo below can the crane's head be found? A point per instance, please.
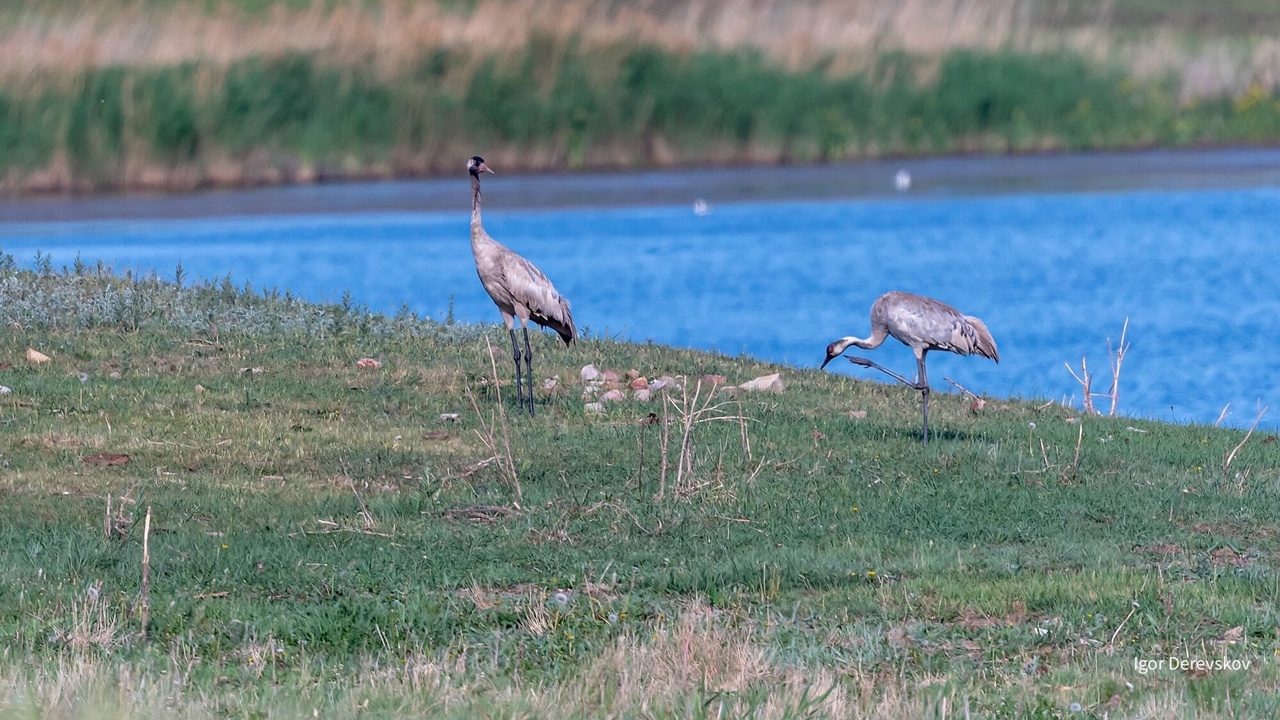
(835, 349)
(476, 165)
(833, 352)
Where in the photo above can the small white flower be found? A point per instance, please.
(1031, 425)
(561, 598)
(613, 618)
(1075, 707)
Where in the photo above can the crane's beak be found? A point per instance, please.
(485, 168)
(829, 359)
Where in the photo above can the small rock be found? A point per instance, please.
(594, 407)
(115, 375)
(771, 383)
(449, 417)
(549, 385)
(35, 357)
(713, 379)
(589, 373)
(611, 376)
(84, 377)
(368, 363)
(662, 383)
(632, 374)
(613, 396)
(642, 395)
(856, 414)
(639, 383)
(5, 390)
(978, 404)
(199, 388)
(252, 370)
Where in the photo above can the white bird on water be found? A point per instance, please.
(902, 180)
(923, 324)
(517, 287)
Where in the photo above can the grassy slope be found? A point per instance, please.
(322, 539)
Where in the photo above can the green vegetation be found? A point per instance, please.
(322, 540)
(297, 118)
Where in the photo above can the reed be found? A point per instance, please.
(174, 95)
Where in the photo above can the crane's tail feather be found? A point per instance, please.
(983, 343)
(562, 322)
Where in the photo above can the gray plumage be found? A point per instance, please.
(923, 324)
(517, 287)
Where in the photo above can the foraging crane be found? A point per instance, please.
(923, 324)
(519, 289)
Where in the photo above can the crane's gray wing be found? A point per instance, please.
(530, 288)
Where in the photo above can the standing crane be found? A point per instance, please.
(923, 324)
(517, 287)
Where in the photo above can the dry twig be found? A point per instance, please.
(1226, 462)
(1085, 378)
(145, 600)
(485, 433)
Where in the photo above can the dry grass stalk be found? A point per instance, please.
(1085, 378)
(396, 33)
(1231, 455)
(1222, 415)
(366, 517)
(691, 412)
(92, 623)
(1117, 360)
(1075, 463)
(144, 610)
(506, 465)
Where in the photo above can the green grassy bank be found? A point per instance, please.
(324, 542)
(299, 119)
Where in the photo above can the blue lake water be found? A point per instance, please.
(1054, 253)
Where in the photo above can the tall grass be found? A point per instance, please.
(175, 94)
(554, 105)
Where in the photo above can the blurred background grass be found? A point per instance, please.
(172, 94)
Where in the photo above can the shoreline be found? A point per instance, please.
(51, 184)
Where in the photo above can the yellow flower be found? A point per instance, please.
(871, 574)
(855, 508)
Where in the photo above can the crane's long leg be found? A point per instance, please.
(515, 349)
(864, 362)
(528, 367)
(921, 384)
